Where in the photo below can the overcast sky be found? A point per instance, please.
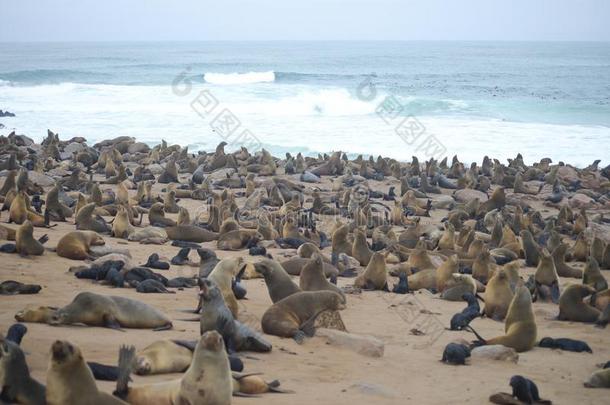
(110, 20)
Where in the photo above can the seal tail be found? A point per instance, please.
(274, 386)
(127, 356)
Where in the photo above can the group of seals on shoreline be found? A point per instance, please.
(486, 237)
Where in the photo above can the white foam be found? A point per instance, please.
(239, 78)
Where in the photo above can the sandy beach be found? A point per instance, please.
(410, 369)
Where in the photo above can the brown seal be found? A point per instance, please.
(294, 265)
(57, 210)
(70, 381)
(340, 244)
(312, 277)
(156, 216)
(360, 248)
(76, 245)
(498, 296)
(279, 283)
(25, 243)
(121, 227)
(37, 314)
(161, 357)
(457, 285)
(572, 307)
(86, 220)
(222, 276)
(207, 380)
(593, 277)
(520, 324)
(563, 269)
(110, 311)
(238, 239)
(20, 211)
(190, 233)
(295, 315)
(599, 379)
(375, 275)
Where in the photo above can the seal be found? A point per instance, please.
(360, 248)
(312, 277)
(70, 381)
(25, 243)
(238, 239)
(206, 381)
(546, 275)
(375, 274)
(216, 316)
(525, 390)
(563, 269)
(57, 210)
(110, 311)
(340, 244)
(572, 307)
(482, 267)
(222, 276)
(570, 345)
(76, 245)
(156, 216)
(11, 287)
(190, 233)
(599, 379)
(171, 356)
(530, 247)
(457, 285)
(20, 212)
(86, 221)
(121, 227)
(253, 384)
(295, 315)
(17, 384)
(498, 296)
(593, 277)
(279, 284)
(294, 265)
(456, 354)
(519, 326)
(462, 319)
(37, 314)
(208, 260)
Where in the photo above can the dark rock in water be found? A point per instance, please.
(6, 114)
(1, 126)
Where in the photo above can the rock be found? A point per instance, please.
(494, 352)
(372, 389)
(40, 179)
(580, 200)
(6, 114)
(567, 173)
(156, 169)
(1, 126)
(309, 177)
(220, 174)
(75, 147)
(442, 202)
(138, 147)
(362, 344)
(468, 194)
(330, 320)
(21, 140)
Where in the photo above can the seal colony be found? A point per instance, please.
(277, 248)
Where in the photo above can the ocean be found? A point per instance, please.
(398, 99)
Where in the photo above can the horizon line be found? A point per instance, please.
(302, 40)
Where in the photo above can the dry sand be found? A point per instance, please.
(409, 371)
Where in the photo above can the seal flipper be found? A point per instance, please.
(112, 323)
(274, 386)
(299, 337)
(127, 356)
(555, 292)
(16, 332)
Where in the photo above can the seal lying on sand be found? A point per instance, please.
(110, 311)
